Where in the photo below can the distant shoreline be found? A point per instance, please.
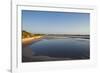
(66, 36)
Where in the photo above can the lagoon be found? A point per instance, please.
(49, 49)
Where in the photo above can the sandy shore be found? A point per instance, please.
(27, 41)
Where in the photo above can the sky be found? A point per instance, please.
(49, 22)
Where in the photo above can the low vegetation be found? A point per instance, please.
(26, 34)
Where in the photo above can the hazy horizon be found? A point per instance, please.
(47, 22)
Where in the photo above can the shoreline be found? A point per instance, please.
(27, 41)
(27, 52)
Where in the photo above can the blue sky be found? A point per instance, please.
(55, 22)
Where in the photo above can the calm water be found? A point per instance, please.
(69, 48)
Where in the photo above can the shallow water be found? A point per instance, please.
(67, 48)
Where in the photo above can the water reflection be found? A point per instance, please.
(60, 49)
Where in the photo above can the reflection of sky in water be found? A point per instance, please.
(62, 48)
